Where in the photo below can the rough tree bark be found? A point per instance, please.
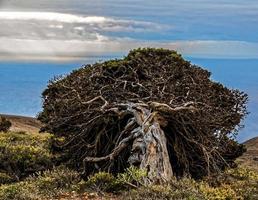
(149, 149)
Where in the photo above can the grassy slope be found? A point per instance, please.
(43, 185)
(22, 123)
(250, 157)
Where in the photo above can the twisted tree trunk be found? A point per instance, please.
(149, 150)
(149, 145)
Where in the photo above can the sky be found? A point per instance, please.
(43, 38)
(64, 30)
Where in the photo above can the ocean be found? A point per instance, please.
(21, 85)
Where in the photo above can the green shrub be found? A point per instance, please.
(22, 154)
(53, 180)
(176, 189)
(103, 182)
(5, 124)
(132, 177)
(244, 182)
(100, 182)
(10, 191)
(43, 185)
(5, 178)
(234, 184)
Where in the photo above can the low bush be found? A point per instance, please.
(176, 189)
(100, 182)
(5, 124)
(132, 177)
(22, 154)
(44, 185)
(106, 182)
(5, 178)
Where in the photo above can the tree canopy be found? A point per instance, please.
(151, 109)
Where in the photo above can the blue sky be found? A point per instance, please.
(40, 39)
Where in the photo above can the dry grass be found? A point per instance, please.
(22, 123)
(250, 157)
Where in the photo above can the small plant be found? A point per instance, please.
(234, 184)
(5, 124)
(101, 182)
(8, 192)
(132, 177)
(55, 179)
(5, 178)
(177, 189)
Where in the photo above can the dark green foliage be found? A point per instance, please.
(5, 124)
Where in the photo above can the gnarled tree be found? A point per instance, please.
(151, 109)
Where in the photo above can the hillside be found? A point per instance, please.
(22, 123)
(250, 157)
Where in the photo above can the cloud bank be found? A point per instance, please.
(70, 50)
(66, 37)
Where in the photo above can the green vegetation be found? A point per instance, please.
(27, 173)
(234, 184)
(4, 124)
(44, 185)
(106, 182)
(22, 154)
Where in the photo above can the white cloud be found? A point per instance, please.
(96, 22)
(68, 50)
(80, 28)
(56, 26)
(51, 16)
(62, 26)
(62, 36)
